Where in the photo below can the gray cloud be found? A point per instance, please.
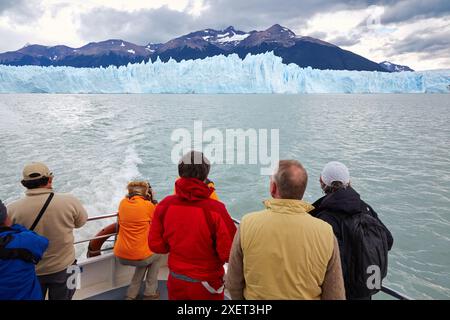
(346, 41)
(430, 43)
(8, 4)
(141, 27)
(318, 35)
(21, 11)
(162, 24)
(402, 11)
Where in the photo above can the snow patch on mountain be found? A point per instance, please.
(233, 38)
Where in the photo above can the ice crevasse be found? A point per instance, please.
(262, 73)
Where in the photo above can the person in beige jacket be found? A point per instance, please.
(282, 252)
(63, 214)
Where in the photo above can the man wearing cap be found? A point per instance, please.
(54, 216)
(350, 217)
(20, 250)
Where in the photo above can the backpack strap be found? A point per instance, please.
(6, 229)
(41, 213)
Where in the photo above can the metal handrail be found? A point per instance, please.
(106, 216)
(393, 293)
(389, 291)
(95, 238)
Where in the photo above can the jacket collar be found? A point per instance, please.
(38, 191)
(288, 206)
(345, 201)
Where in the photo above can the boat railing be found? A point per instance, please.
(95, 218)
(386, 290)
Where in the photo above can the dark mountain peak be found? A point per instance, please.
(275, 35)
(225, 40)
(392, 67)
(60, 46)
(277, 29)
(34, 49)
(190, 41)
(116, 46)
(229, 29)
(109, 42)
(112, 40)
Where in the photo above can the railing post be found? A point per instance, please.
(113, 272)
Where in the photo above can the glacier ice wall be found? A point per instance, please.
(263, 73)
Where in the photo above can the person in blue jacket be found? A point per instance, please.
(20, 250)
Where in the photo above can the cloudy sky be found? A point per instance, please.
(411, 32)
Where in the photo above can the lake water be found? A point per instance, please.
(396, 146)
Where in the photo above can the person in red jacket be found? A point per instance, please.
(196, 231)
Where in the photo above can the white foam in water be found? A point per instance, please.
(263, 73)
(105, 191)
(108, 187)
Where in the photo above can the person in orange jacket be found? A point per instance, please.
(134, 218)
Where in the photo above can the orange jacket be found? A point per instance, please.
(213, 194)
(134, 218)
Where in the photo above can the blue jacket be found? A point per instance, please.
(18, 280)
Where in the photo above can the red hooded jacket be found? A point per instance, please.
(197, 231)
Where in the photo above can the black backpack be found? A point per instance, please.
(364, 244)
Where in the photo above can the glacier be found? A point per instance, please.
(262, 73)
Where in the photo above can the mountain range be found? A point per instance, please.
(301, 50)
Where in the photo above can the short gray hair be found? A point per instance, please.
(291, 179)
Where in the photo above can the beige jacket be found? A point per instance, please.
(64, 213)
(284, 253)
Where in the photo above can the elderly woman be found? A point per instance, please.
(131, 248)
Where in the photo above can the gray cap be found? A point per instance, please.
(335, 171)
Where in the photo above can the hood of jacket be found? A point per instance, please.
(346, 201)
(192, 189)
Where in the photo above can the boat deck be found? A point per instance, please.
(119, 293)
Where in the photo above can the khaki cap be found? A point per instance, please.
(36, 170)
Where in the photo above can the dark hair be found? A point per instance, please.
(194, 164)
(34, 184)
(335, 186)
(291, 183)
